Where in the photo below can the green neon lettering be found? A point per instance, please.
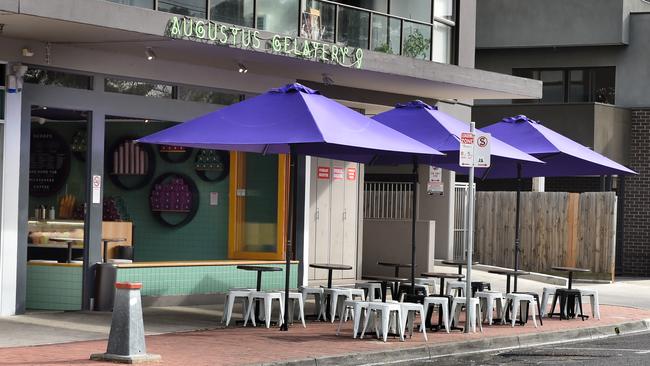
(187, 31)
(246, 36)
(334, 55)
(359, 55)
(295, 48)
(287, 43)
(305, 49)
(212, 31)
(222, 30)
(324, 51)
(344, 54)
(176, 27)
(256, 39)
(234, 32)
(277, 45)
(316, 46)
(199, 29)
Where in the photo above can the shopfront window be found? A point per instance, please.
(207, 96)
(386, 34)
(278, 16)
(318, 21)
(376, 5)
(239, 12)
(416, 41)
(193, 8)
(39, 76)
(412, 9)
(139, 3)
(353, 26)
(137, 87)
(580, 85)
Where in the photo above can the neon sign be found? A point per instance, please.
(207, 31)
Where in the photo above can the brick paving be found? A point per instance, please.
(244, 346)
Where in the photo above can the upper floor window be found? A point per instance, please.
(193, 8)
(233, 12)
(573, 85)
(140, 3)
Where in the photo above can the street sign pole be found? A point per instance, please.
(470, 236)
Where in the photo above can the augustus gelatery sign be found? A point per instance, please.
(207, 31)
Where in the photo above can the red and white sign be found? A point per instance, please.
(352, 173)
(474, 149)
(323, 172)
(466, 138)
(337, 174)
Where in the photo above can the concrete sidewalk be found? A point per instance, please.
(318, 344)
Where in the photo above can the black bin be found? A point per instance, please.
(105, 277)
(125, 252)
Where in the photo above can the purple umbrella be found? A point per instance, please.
(296, 120)
(563, 157)
(442, 132)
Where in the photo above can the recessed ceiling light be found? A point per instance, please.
(151, 55)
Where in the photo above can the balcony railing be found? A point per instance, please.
(388, 201)
(326, 21)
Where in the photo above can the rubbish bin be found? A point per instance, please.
(124, 252)
(105, 277)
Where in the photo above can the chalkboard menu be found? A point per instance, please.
(49, 162)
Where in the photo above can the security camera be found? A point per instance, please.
(19, 70)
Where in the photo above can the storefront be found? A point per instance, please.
(185, 218)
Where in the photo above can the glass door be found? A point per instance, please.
(258, 202)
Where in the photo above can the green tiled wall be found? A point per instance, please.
(54, 287)
(175, 281)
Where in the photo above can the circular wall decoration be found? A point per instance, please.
(212, 165)
(131, 165)
(174, 154)
(174, 199)
(49, 162)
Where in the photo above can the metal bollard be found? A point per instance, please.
(126, 340)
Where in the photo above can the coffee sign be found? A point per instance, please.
(207, 31)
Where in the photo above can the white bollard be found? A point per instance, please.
(126, 340)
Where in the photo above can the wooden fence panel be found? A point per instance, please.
(557, 228)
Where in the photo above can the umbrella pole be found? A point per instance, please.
(291, 233)
(414, 207)
(517, 223)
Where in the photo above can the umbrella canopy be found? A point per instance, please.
(297, 120)
(563, 156)
(295, 116)
(442, 132)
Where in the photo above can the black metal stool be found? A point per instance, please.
(480, 286)
(567, 299)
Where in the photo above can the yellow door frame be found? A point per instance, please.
(236, 209)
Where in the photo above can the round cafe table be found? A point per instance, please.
(571, 270)
(69, 242)
(459, 263)
(330, 267)
(384, 284)
(260, 270)
(509, 273)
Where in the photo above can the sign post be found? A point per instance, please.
(474, 152)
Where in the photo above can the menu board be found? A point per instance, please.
(49, 162)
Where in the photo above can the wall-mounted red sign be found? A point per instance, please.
(323, 172)
(338, 173)
(352, 173)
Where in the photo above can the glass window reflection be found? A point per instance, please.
(193, 8)
(353, 27)
(385, 34)
(412, 9)
(416, 40)
(318, 20)
(443, 9)
(139, 3)
(278, 16)
(442, 36)
(239, 12)
(376, 5)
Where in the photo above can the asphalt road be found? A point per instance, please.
(628, 350)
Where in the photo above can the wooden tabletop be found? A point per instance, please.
(457, 262)
(442, 275)
(342, 267)
(386, 278)
(114, 240)
(510, 272)
(67, 239)
(389, 264)
(571, 269)
(259, 268)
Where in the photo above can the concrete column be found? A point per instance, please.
(538, 184)
(11, 279)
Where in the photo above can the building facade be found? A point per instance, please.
(86, 77)
(591, 56)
